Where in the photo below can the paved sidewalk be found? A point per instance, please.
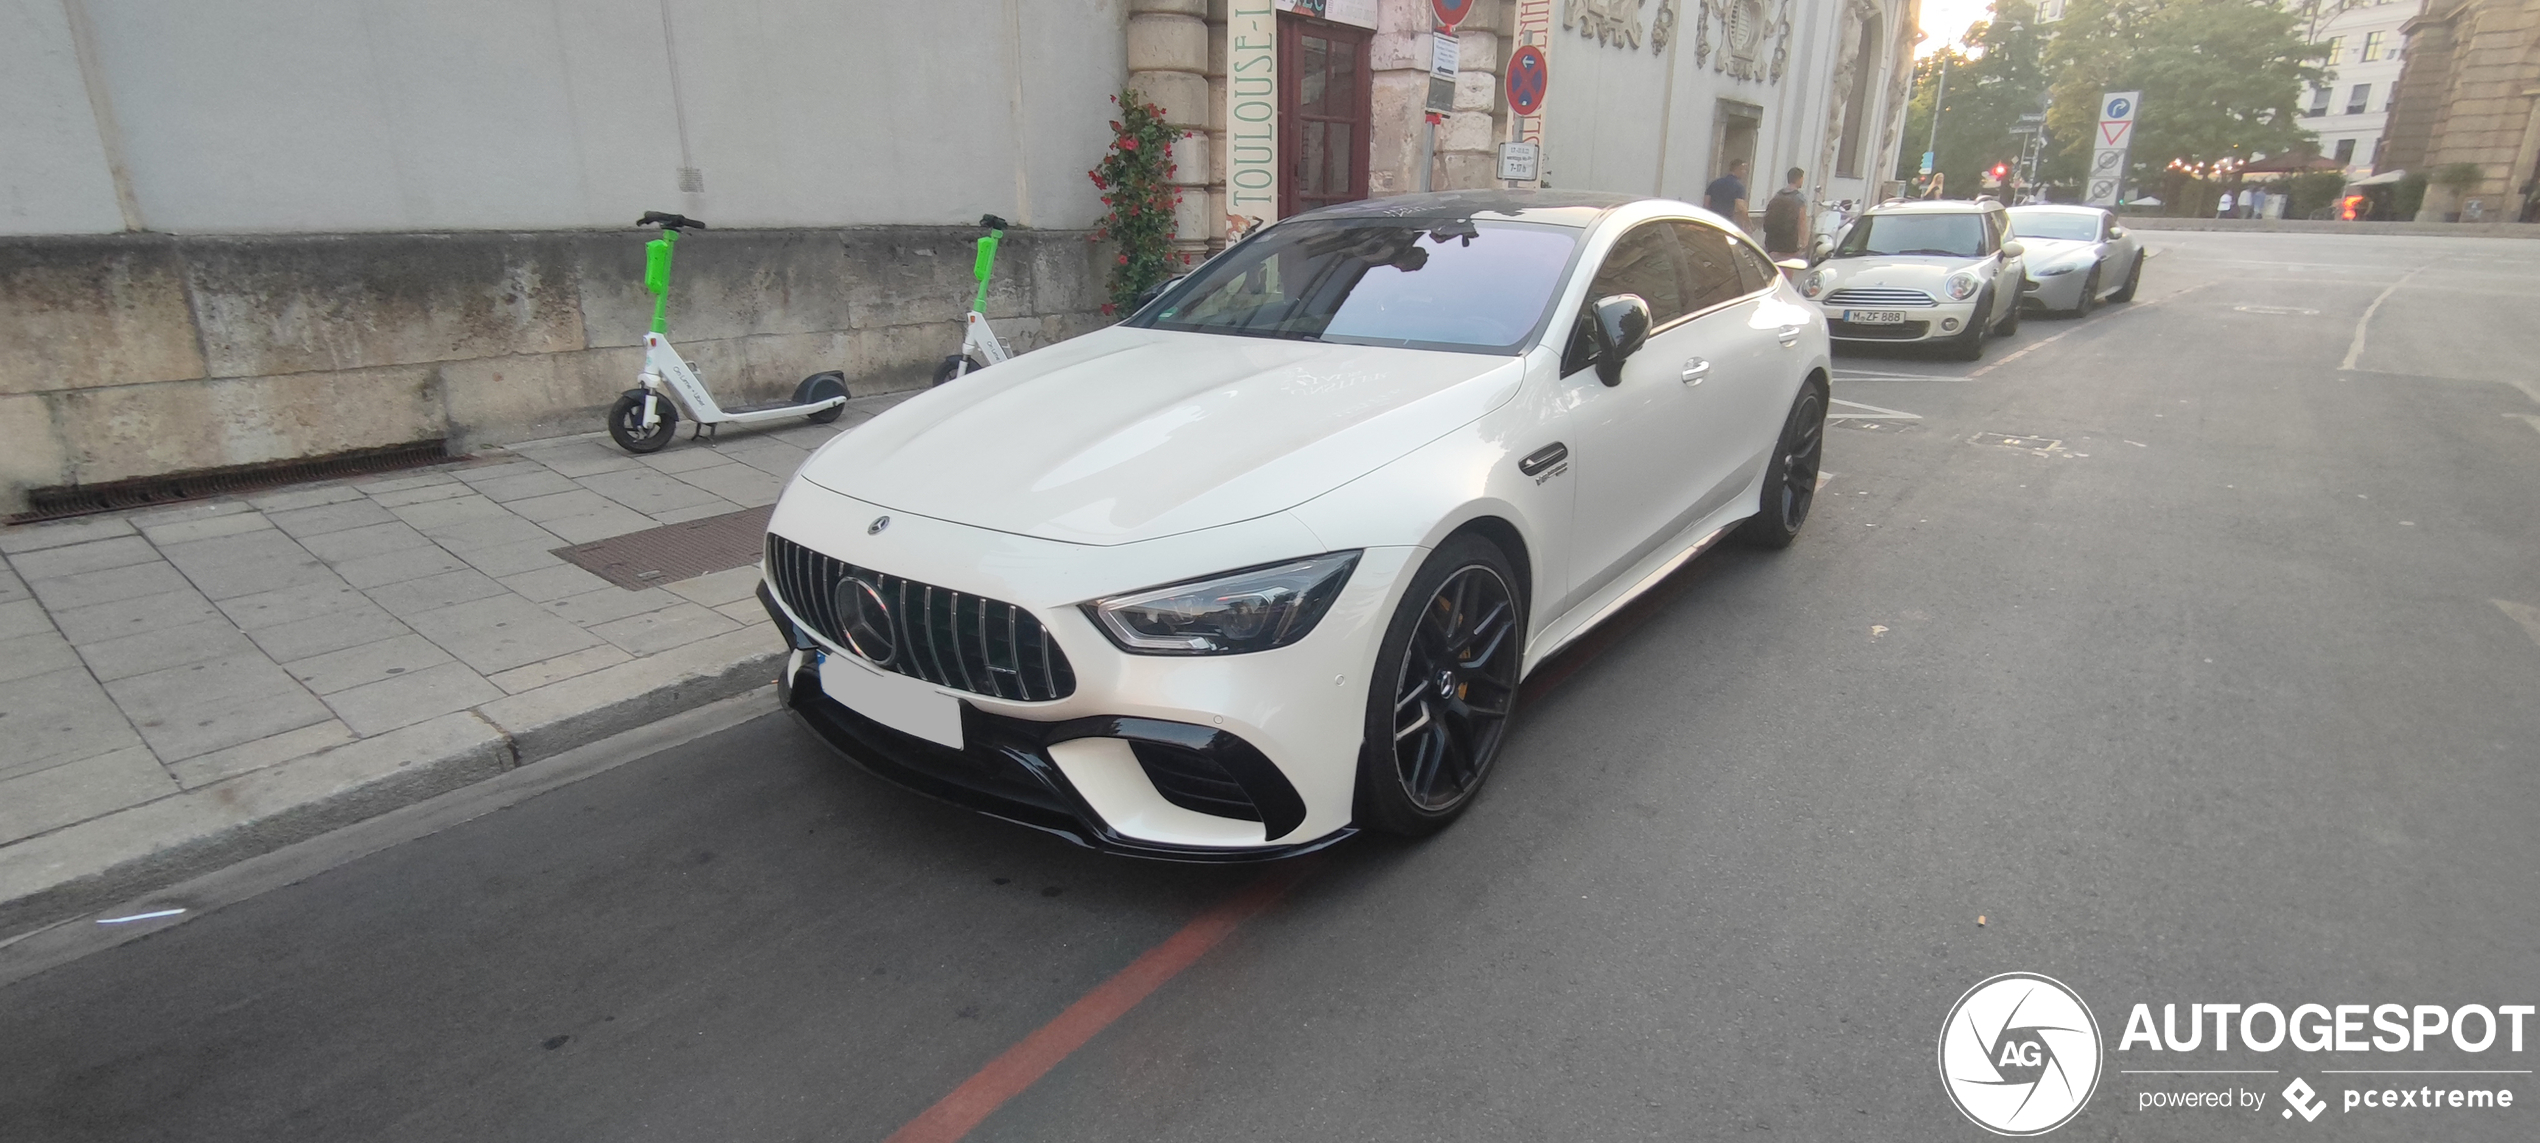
(189, 685)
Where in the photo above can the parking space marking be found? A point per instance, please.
(1022, 1065)
(1883, 375)
(1868, 412)
(2355, 349)
(2522, 613)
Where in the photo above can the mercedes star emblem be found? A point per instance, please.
(879, 523)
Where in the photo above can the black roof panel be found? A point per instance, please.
(1560, 207)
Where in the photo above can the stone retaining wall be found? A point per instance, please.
(146, 354)
(2326, 226)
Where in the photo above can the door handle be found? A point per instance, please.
(1696, 370)
(1790, 335)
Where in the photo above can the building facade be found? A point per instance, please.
(247, 231)
(2362, 42)
(2469, 98)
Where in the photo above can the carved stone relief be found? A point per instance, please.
(1612, 22)
(1734, 37)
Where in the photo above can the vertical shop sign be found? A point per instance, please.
(1252, 111)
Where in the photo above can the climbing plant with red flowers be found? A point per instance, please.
(1138, 196)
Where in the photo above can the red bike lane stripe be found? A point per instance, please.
(1028, 1060)
(1022, 1065)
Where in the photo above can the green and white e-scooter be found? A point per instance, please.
(979, 345)
(646, 418)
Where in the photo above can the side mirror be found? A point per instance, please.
(1621, 324)
(1153, 292)
(2116, 232)
(2013, 249)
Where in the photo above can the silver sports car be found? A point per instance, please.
(2077, 255)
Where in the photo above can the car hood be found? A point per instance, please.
(1917, 272)
(2049, 251)
(1131, 434)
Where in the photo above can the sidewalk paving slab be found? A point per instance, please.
(187, 685)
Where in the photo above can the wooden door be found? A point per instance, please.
(1323, 113)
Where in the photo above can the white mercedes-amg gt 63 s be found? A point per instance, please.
(1264, 564)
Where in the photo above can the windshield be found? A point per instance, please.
(1947, 235)
(2057, 224)
(1427, 284)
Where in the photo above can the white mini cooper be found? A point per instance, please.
(1938, 271)
(1265, 563)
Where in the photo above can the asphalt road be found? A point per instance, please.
(2158, 640)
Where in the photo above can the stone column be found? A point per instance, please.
(1168, 63)
(1468, 142)
(1398, 60)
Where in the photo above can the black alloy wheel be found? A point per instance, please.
(2089, 294)
(1790, 484)
(2133, 278)
(1444, 687)
(626, 422)
(1969, 344)
(2010, 323)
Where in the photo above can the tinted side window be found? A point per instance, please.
(1644, 263)
(1755, 271)
(1711, 263)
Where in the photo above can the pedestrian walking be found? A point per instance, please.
(1726, 196)
(1786, 218)
(2224, 210)
(2248, 202)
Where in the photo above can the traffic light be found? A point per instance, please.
(1999, 170)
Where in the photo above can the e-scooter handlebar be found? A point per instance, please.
(668, 221)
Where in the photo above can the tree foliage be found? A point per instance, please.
(1991, 84)
(2220, 79)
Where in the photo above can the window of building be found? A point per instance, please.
(2358, 98)
(2372, 46)
(1856, 108)
(2319, 101)
(2346, 151)
(2336, 44)
(1324, 88)
(2373, 156)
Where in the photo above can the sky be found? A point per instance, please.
(1946, 20)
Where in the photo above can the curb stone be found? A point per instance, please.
(155, 844)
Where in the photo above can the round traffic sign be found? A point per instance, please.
(1451, 12)
(2118, 108)
(1528, 78)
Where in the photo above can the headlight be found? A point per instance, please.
(1961, 285)
(1254, 609)
(2051, 271)
(1816, 282)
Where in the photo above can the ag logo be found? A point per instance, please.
(2020, 1054)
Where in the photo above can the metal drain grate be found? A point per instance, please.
(673, 552)
(146, 491)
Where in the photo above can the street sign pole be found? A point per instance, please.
(2105, 183)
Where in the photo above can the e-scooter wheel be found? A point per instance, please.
(820, 387)
(626, 422)
(951, 368)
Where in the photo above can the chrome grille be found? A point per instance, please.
(1878, 296)
(945, 637)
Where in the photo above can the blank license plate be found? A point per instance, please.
(907, 705)
(1874, 317)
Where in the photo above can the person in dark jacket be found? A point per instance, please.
(1726, 196)
(1786, 218)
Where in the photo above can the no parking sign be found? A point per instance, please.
(1529, 77)
(1451, 12)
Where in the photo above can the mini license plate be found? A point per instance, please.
(1874, 317)
(910, 706)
